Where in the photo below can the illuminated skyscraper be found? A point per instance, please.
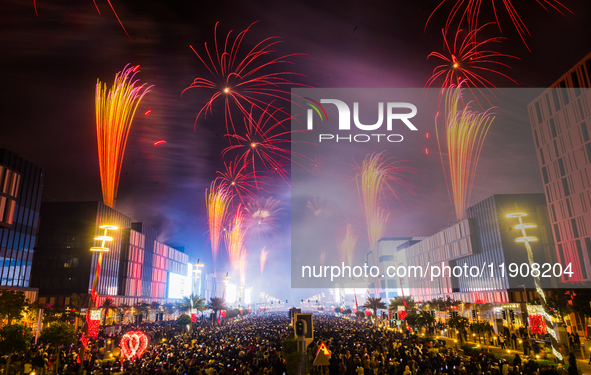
(561, 123)
(21, 189)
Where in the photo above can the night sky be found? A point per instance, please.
(51, 62)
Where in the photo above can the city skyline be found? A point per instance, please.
(55, 59)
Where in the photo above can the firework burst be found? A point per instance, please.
(262, 217)
(242, 80)
(238, 180)
(264, 144)
(317, 164)
(235, 238)
(347, 244)
(322, 258)
(376, 178)
(466, 60)
(217, 200)
(319, 208)
(347, 236)
(464, 132)
(470, 11)
(115, 109)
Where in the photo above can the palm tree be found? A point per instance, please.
(141, 308)
(216, 304)
(168, 309)
(374, 304)
(400, 301)
(192, 302)
(78, 302)
(154, 307)
(122, 311)
(108, 305)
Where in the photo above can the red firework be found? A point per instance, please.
(238, 180)
(466, 59)
(282, 167)
(470, 10)
(243, 80)
(264, 143)
(317, 164)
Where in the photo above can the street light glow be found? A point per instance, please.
(109, 227)
(103, 238)
(516, 214)
(526, 239)
(103, 249)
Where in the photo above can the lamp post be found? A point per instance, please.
(225, 282)
(196, 273)
(240, 298)
(92, 318)
(101, 250)
(525, 239)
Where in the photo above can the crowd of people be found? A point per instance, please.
(253, 345)
(361, 349)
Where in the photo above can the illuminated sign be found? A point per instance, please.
(133, 344)
(247, 296)
(231, 293)
(324, 350)
(179, 286)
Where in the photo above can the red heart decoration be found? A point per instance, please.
(133, 344)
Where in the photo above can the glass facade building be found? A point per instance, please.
(136, 267)
(561, 125)
(21, 190)
(487, 237)
(63, 263)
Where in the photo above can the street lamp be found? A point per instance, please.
(101, 250)
(225, 282)
(197, 274)
(241, 290)
(525, 239)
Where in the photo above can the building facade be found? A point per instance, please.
(65, 265)
(21, 190)
(485, 241)
(390, 251)
(561, 124)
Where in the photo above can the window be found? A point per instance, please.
(557, 233)
(556, 100)
(581, 259)
(538, 112)
(561, 167)
(576, 84)
(552, 127)
(573, 223)
(585, 132)
(565, 187)
(545, 175)
(536, 138)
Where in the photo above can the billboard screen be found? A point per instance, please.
(179, 286)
